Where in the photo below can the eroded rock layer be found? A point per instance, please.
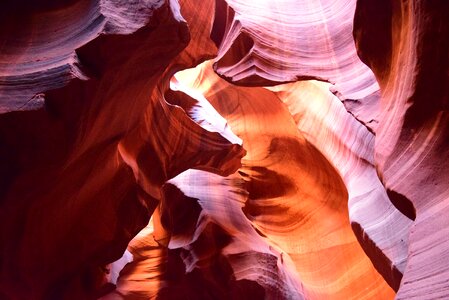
(169, 149)
(74, 190)
(268, 42)
(411, 63)
(288, 195)
(380, 227)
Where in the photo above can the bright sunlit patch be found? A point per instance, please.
(204, 113)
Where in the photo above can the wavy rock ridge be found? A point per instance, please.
(166, 149)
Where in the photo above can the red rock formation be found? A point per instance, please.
(120, 180)
(295, 194)
(81, 174)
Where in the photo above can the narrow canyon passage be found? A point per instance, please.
(295, 194)
(224, 149)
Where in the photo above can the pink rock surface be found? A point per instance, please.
(411, 63)
(270, 42)
(275, 165)
(381, 229)
(292, 189)
(40, 48)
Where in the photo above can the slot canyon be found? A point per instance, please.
(224, 149)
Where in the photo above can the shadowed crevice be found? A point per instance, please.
(241, 46)
(223, 17)
(403, 204)
(380, 261)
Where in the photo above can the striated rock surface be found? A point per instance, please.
(41, 44)
(411, 61)
(171, 149)
(268, 42)
(292, 189)
(81, 174)
(381, 228)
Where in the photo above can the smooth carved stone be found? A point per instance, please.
(337, 180)
(266, 43)
(224, 233)
(39, 47)
(295, 195)
(262, 44)
(381, 229)
(406, 44)
(81, 176)
(214, 251)
(143, 276)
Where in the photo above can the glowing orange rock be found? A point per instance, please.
(381, 229)
(338, 184)
(295, 195)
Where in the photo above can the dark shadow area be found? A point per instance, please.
(21, 6)
(373, 34)
(223, 17)
(212, 278)
(240, 48)
(268, 184)
(403, 204)
(382, 264)
(179, 213)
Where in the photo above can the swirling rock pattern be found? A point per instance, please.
(270, 42)
(381, 228)
(73, 194)
(288, 195)
(411, 63)
(39, 46)
(228, 149)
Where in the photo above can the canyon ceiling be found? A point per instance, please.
(224, 149)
